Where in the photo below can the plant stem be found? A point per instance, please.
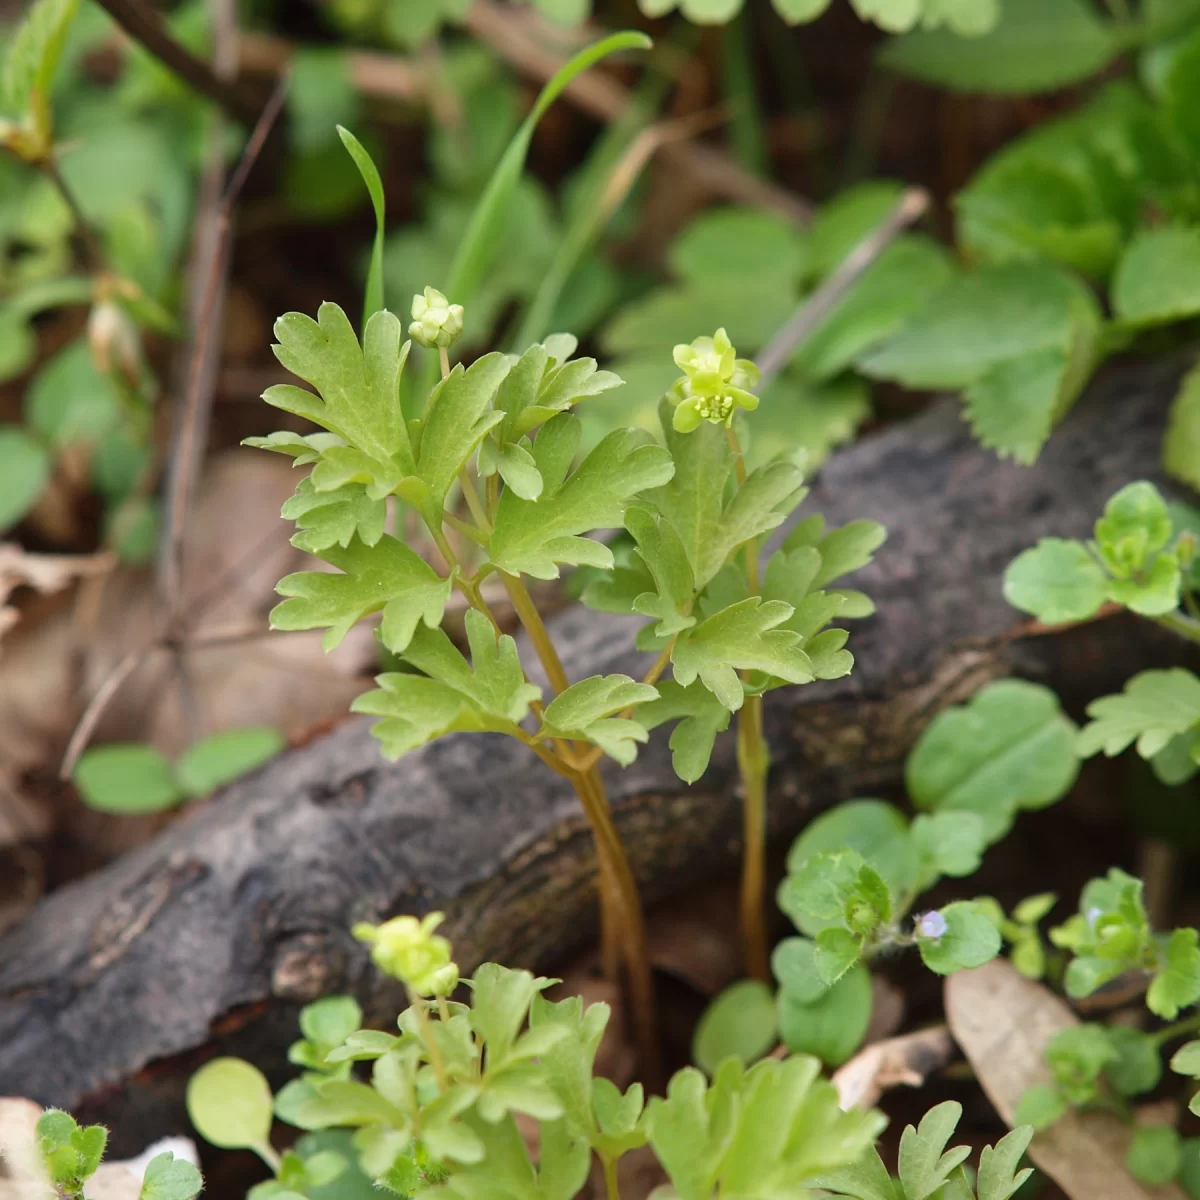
(269, 1155)
(531, 619)
(633, 944)
(754, 761)
(1168, 1033)
(444, 360)
(91, 242)
(753, 764)
(1181, 624)
(434, 1050)
(746, 123)
(612, 1191)
(474, 503)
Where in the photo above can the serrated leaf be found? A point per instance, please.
(358, 385)
(693, 502)
(585, 712)
(1158, 278)
(1154, 707)
(491, 693)
(219, 759)
(333, 518)
(794, 965)
(126, 778)
(387, 576)
(908, 271)
(457, 417)
(1011, 747)
(970, 940)
(1181, 446)
(666, 561)
(743, 637)
(739, 1023)
(1177, 982)
(1035, 46)
(534, 537)
(981, 319)
(867, 1179)
(1027, 203)
(1057, 581)
(843, 550)
(701, 717)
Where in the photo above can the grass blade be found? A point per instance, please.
(373, 298)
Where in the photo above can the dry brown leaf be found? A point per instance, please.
(1003, 1021)
(895, 1062)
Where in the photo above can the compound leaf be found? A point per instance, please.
(1154, 707)
(743, 637)
(533, 537)
(387, 576)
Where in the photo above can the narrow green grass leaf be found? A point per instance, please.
(373, 299)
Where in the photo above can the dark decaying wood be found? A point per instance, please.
(207, 939)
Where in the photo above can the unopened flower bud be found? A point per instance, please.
(114, 341)
(932, 925)
(409, 950)
(436, 322)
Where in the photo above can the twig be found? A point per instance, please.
(816, 307)
(900, 1061)
(374, 74)
(145, 26)
(91, 241)
(100, 701)
(188, 447)
(606, 98)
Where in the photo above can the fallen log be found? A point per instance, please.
(207, 939)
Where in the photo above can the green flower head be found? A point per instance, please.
(436, 322)
(409, 950)
(715, 383)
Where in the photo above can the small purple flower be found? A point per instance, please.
(932, 925)
(1092, 915)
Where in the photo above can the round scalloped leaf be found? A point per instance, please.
(230, 1104)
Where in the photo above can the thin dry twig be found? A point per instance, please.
(144, 25)
(189, 445)
(816, 307)
(604, 97)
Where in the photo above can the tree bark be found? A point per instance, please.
(207, 939)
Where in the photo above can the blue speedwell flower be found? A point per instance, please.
(715, 383)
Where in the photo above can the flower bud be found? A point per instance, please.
(409, 950)
(436, 322)
(114, 341)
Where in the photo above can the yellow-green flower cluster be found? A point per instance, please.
(436, 322)
(409, 950)
(715, 383)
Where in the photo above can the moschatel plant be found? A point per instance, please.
(438, 1118)
(486, 460)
